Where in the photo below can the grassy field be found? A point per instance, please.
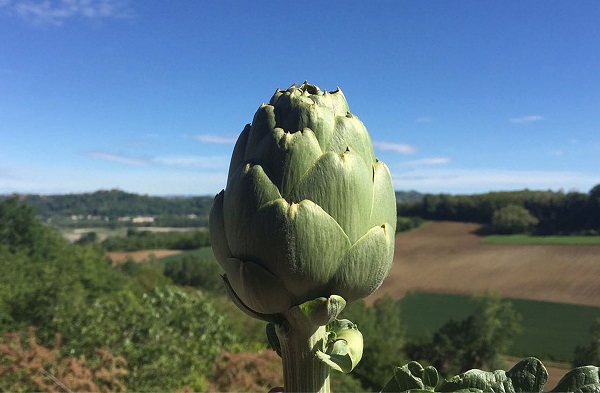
(551, 240)
(550, 330)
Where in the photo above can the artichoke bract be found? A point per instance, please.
(308, 210)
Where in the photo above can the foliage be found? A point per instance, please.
(557, 212)
(195, 271)
(383, 333)
(146, 240)
(20, 230)
(548, 331)
(404, 224)
(246, 372)
(45, 280)
(527, 376)
(169, 337)
(476, 342)
(513, 219)
(589, 354)
(25, 365)
(112, 204)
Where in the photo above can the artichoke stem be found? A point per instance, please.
(302, 370)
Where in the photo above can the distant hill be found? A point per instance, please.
(408, 196)
(112, 205)
(108, 206)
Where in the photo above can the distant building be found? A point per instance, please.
(142, 220)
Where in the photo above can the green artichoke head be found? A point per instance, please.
(308, 211)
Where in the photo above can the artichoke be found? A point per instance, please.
(308, 211)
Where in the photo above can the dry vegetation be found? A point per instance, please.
(448, 257)
(118, 257)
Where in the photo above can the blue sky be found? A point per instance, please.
(149, 96)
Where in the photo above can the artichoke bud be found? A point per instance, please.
(308, 211)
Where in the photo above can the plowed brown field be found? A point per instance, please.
(448, 257)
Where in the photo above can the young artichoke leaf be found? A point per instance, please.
(344, 347)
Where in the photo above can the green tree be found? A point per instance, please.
(476, 342)
(589, 354)
(169, 337)
(20, 230)
(383, 334)
(513, 219)
(204, 273)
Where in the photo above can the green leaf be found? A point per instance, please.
(322, 311)
(529, 375)
(580, 379)
(408, 377)
(275, 318)
(344, 346)
(272, 338)
(365, 265)
(257, 288)
(342, 185)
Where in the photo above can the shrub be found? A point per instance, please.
(513, 219)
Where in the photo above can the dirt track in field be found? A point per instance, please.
(448, 257)
(119, 257)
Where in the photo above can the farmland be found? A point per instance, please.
(449, 257)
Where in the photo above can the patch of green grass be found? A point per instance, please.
(543, 240)
(550, 330)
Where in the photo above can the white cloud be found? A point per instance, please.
(56, 12)
(427, 161)
(396, 147)
(527, 119)
(424, 119)
(121, 159)
(215, 139)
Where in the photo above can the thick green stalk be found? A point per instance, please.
(299, 339)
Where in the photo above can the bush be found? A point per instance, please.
(513, 219)
(476, 342)
(195, 271)
(28, 366)
(169, 337)
(404, 224)
(589, 354)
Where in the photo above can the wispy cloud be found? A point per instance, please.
(205, 162)
(399, 148)
(424, 119)
(118, 158)
(427, 161)
(214, 139)
(56, 12)
(484, 180)
(527, 119)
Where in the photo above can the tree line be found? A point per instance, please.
(113, 204)
(147, 240)
(541, 212)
